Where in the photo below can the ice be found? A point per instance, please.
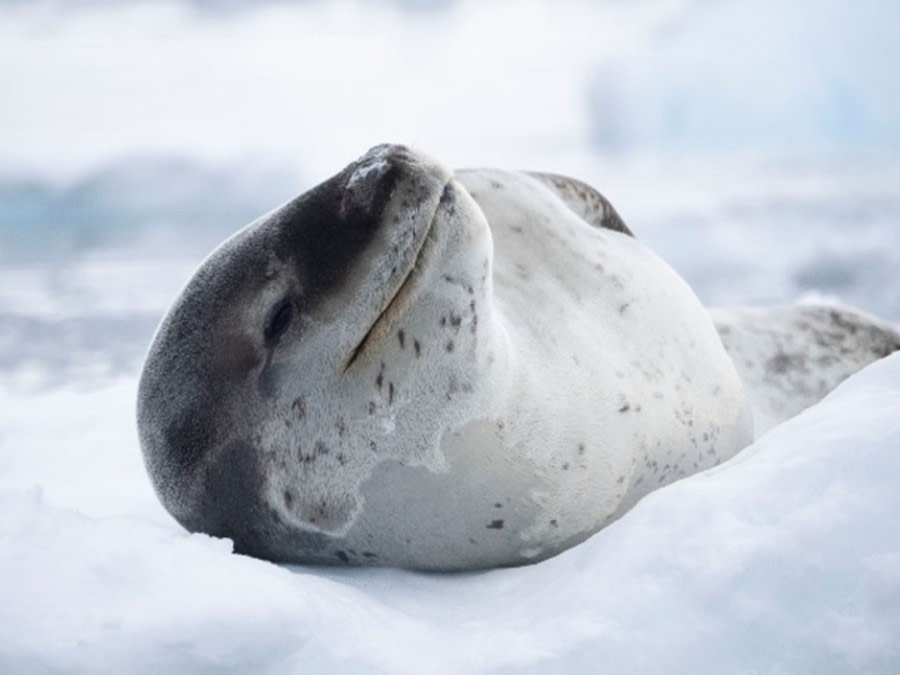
(781, 560)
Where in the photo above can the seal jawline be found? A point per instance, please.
(403, 286)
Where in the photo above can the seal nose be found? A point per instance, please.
(369, 186)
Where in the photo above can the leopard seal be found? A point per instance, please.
(440, 370)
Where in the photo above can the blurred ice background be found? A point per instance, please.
(752, 143)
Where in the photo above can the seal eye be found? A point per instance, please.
(279, 321)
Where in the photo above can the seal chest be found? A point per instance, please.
(414, 367)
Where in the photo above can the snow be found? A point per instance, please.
(753, 145)
(783, 560)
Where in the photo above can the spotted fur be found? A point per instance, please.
(586, 202)
(789, 358)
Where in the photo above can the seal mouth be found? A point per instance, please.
(395, 299)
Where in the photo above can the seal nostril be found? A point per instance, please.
(368, 189)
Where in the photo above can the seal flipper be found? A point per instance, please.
(789, 358)
(584, 201)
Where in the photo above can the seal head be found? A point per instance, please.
(264, 402)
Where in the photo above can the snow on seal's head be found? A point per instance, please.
(406, 366)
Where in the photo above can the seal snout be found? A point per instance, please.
(398, 193)
(374, 176)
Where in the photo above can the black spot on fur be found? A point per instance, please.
(782, 363)
(343, 557)
(448, 199)
(401, 337)
(841, 322)
(299, 407)
(496, 525)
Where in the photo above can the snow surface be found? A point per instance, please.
(786, 559)
(752, 144)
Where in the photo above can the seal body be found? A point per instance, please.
(411, 367)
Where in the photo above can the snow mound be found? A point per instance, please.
(121, 595)
(785, 559)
